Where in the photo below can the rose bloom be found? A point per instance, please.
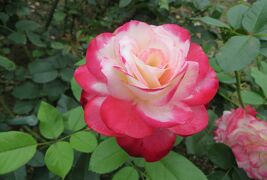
(247, 137)
(145, 84)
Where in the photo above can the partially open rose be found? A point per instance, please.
(145, 84)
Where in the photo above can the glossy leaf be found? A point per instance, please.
(51, 121)
(174, 167)
(128, 173)
(76, 89)
(107, 157)
(83, 141)
(16, 149)
(59, 158)
(74, 119)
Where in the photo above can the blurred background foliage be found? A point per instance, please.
(41, 44)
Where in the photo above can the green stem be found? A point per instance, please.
(7, 28)
(142, 174)
(5, 107)
(61, 139)
(238, 88)
(23, 47)
(260, 35)
(51, 13)
(228, 99)
(34, 134)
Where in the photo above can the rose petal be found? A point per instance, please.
(88, 82)
(178, 31)
(187, 83)
(152, 148)
(195, 125)
(85, 97)
(196, 54)
(93, 119)
(165, 116)
(123, 118)
(141, 32)
(205, 90)
(92, 60)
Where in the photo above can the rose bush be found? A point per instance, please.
(145, 84)
(247, 137)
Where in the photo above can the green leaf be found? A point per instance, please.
(54, 88)
(255, 18)
(35, 39)
(260, 78)
(16, 149)
(37, 160)
(107, 157)
(80, 62)
(128, 173)
(201, 4)
(17, 37)
(27, 90)
(221, 155)
(51, 121)
(235, 15)
(57, 45)
(199, 143)
(76, 89)
(239, 174)
(23, 107)
(59, 158)
(80, 169)
(263, 49)
(250, 97)
(214, 22)
(219, 175)
(4, 17)
(59, 16)
(26, 25)
(264, 66)
(83, 141)
(238, 52)
(66, 103)
(42, 71)
(30, 120)
(66, 74)
(124, 3)
(7, 63)
(262, 34)
(74, 119)
(174, 167)
(18, 174)
(164, 4)
(226, 78)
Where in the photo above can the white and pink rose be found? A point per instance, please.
(246, 135)
(145, 84)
